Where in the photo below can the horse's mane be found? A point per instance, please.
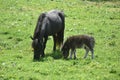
(38, 25)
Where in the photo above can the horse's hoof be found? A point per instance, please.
(74, 57)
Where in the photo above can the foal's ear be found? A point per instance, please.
(31, 37)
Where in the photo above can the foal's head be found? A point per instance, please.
(65, 50)
(37, 47)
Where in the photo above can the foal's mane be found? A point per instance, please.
(38, 25)
(66, 43)
(69, 41)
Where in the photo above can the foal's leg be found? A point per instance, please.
(72, 51)
(87, 50)
(75, 54)
(91, 49)
(44, 45)
(92, 52)
(91, 46)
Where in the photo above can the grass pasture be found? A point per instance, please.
(99, 18)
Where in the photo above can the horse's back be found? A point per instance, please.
(54, 15)
(55, 12)
(54, 22)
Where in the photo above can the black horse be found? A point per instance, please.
(51, 23)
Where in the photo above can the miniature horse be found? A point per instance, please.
(78, 41)
(51, 23)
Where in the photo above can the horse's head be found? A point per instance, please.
(37, 44)
(65, 51)
(37, 48)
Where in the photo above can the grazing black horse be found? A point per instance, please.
(51, 23)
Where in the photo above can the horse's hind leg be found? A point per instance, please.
(87, 50)
(54, 39)
(60, 38)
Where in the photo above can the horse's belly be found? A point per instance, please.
(52, 32)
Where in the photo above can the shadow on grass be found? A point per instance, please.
(50, 56)
(55, 54)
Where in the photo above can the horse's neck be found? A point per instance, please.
(42, 31)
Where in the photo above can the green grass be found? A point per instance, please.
(100, 19)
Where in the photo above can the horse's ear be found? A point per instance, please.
(31, 37)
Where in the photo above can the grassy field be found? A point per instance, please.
(100, 19)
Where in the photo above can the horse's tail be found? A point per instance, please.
(60, 35)
(59, 39)
(62, 16)
(38, 25)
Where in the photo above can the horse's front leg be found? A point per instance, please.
(44, 45)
